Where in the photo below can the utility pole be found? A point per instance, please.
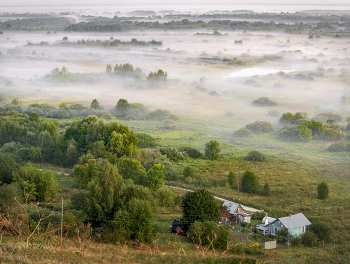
(239, 202)
(42, 139)
(62, 231)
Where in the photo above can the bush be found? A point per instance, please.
(255, 156)
(188, 171)
(166, 197)
(264, 101)
(296, 242)
(244, 133)
(172, 154)
(258, 215)
(305, 133)
(322, 191)
(274, 113)
(289, 133)
(212, 149)
(171, 173)
(260, 127)
(231, 179)
(322, 230)
(266, 190)
(207, 233)
(192, 152)
(8, 167)
(339, 146)
(289, 118)
(36, 184)
(323, 117)
(7, 194)
(309, 239)
(204, 182)
(249, 182)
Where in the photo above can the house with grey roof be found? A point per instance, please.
(296, 225)
(230, 211)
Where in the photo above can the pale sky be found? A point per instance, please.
(167, 2)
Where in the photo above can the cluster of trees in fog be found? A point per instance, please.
(187, 24)
(298, 127)
(100, 43)
(154, 80)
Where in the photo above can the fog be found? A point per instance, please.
(208, 74)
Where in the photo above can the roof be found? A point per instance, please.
(263, 227)
(269, 219)
(231, 207)
(294, 221)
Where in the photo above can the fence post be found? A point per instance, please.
(62, 231)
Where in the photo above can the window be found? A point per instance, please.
(303, 229)
(275, 230)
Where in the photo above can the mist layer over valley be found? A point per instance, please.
(158, 88)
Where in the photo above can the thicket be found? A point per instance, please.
(308, 130)
(260, 127)
(255, 155)
(264, 101)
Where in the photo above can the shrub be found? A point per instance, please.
(7, 194)
(165, 197)
(8, 167)
(309, 239)
(36, 184)
(305, 133)
(208, 232)
(296, 242)
(171, 153)
(249, 182)
(231, 179)
(260, 127)
(266, 190)
(322, 191)
(192, 152)
(258, 215)
(212, 149)
(255, 156)
(188, 171)
(171, 173)
(322, 230)
(243, 133)
(339, 146)
(289, 118)
(274, 113)
(264, 101)
(289, 133)
(204, 182)
(323, 117)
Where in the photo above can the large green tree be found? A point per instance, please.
(36, 184)
(105, 191)
(7, 167)
(131, 169)
(199, 206)
(155, 177)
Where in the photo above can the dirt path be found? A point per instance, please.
(246, 208)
